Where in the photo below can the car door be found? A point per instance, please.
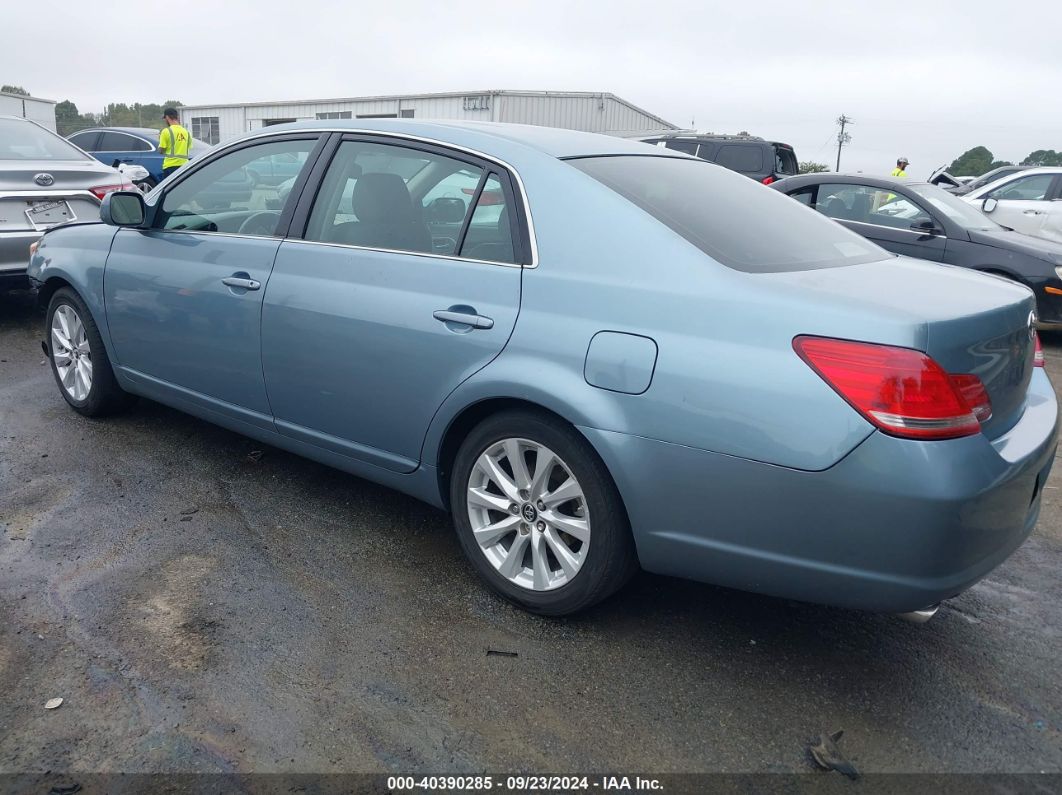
(118, 147)
(372, 318)
(1052, 226)
(892, 219)
(1022, 203)
(184, 296)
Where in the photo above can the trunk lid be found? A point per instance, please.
(70, 181)
(968, 322)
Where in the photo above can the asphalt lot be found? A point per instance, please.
(200, 610)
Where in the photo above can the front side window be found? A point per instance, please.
(24, 140)
(869, 205)
(221, 196)
(207, 128)
(403, 199)
(734, 220)
(1031, 188)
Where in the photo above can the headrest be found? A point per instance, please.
(382, 198)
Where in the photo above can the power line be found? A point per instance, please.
(842, 137)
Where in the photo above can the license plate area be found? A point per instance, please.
(44, 215)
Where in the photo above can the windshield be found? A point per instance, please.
(23, 140)
(733, 219)
(962, 213)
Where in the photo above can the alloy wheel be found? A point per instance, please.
(528, 513)
(71, 352)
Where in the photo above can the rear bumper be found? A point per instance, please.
(895, 526)
(14, 251)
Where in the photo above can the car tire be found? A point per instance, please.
(530, 555)
(78, 359)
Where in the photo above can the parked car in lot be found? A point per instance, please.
(137, 145)
(44, 181)
(615, 356)
(986, 179)
(921, 220)
(1029, 201)
(761, 160)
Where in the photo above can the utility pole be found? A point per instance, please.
(842, 137)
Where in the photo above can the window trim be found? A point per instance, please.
(104, 133)
(521, 220)
(525, 245)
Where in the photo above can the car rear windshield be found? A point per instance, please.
(735, 220)
(23, 140)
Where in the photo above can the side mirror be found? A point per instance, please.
(123, 208)
(988, 205)
(446, 210)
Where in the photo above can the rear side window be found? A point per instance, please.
(743, 225)
(689, 147)
(741, 157)
(86, 141)
(120, 142)
(785, 161)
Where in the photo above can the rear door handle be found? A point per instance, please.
(475, 321)
(1033, 212)
(241, 283)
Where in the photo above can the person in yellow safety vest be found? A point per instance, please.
(901, 168)
(174, 142)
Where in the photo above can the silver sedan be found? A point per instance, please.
(44, 181)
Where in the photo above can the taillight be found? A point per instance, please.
(102, 190)
(1038, 352)
(901, 391)
(767, 180)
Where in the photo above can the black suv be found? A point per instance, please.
(765, 161)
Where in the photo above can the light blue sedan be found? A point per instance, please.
(596, 354)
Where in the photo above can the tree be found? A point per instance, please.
(1043, 157)
(811, 167)
(974, 162)
(6, 89)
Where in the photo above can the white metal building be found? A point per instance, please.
(591, 112)
(39, 110)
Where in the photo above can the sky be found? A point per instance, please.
(926, 80)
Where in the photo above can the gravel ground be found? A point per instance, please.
(200, 610)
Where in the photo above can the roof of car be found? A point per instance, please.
(475, 134)
(145, 131)
(857, 179)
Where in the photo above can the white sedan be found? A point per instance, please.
(1028, 201)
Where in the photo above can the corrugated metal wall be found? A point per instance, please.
(38, 110)
(594, 113)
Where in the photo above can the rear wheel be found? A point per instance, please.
(78, 359)
(538, 514)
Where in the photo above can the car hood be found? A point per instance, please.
(1015, 241)
(67, 174)
(942, 178)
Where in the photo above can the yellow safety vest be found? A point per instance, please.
(175, 143)
(899, 172)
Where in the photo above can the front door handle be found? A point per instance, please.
(1033, 212)
(464, 318)
(241, 283)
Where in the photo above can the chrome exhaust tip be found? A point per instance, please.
(920, 616)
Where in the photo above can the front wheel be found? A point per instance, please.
(538, 514)
(78, 359)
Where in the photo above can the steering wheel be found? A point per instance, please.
(260, 223)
